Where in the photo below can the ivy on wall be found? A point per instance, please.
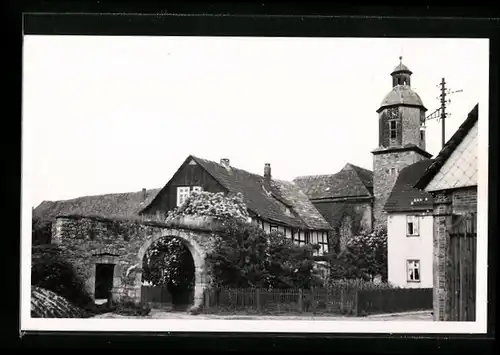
(343, 210)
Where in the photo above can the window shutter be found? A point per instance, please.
(416, 226)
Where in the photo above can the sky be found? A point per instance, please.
(118, 114)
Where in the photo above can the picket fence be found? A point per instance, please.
(343, 298)
(341, 301)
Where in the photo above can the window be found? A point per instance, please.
(323, 243)
(183, 193)
(273, 228)
(393, 171)
(412, 226)
(393, 129)
(422, 135)
(197, 188)
(413, 269)
(307, 237)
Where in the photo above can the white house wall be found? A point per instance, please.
(460, 170)
(401, 248)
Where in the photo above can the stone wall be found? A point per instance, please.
(446, 204)
(383, 179)
(410, 121)
(87, 241)
(359, 212)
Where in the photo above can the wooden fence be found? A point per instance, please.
(461, 269)
(393, 300)
(341, 301)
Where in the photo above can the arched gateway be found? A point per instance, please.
(108, 254)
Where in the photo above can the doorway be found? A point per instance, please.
(103, 280)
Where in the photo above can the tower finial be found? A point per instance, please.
(400, 58)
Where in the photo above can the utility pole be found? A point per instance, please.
(443, 111)
(440, 113)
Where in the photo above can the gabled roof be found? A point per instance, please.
(351, 181)
(278, 201)
(268, 201)
(121, 205)
(404, 197)
(301, 204)
(448, 148)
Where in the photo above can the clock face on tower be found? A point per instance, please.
(393, 113)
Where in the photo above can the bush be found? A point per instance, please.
(215, 205)
(41, 231)
(131, 308)
(50, 271)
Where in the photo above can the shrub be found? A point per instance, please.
(365, 257)
(50, 270)
(41, 231)
(215, 205)
(131, 308)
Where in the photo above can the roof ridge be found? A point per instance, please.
(361, 168)
(311, 176)
(361, 181)
(231, 166)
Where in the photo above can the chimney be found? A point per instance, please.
(144, 194)
(267, 172)
(225, 162)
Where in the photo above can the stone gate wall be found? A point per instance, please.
(87, 241)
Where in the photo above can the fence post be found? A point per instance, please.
(342, 300)
(257, 298)
(356, 303)
(300, 300)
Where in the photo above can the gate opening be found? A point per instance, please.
(168, 275)
(103, 281)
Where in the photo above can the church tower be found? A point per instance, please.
(401, 138)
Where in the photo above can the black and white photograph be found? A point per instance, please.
(254, 184)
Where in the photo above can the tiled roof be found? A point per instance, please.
(404, 197)
(448, 148)
(122, 205)
(351, 181)
(301, 204)
(269, 202)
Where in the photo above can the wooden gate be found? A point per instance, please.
(461, 269)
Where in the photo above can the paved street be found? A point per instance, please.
(161, 314)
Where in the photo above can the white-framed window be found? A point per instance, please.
(273, 228)
(413, 270)
(323, 242)
(184, 191)
(412, 226)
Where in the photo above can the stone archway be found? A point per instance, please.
(198, 254)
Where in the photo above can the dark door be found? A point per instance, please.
(103, 280)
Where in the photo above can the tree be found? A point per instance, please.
(169, 262)
(41, 231)
(365, 257)
(244, 254)
(50, 270)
